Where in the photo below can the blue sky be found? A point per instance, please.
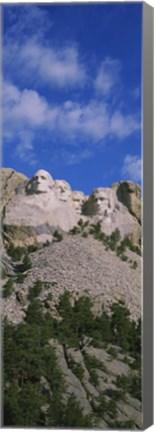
(72, 91)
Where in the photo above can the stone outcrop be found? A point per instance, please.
(73, 384)
(129, 194)
(86, 394)
(6, 263)
(24, 236)
(9, 181)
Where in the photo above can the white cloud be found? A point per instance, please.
(91, 121)
(55, 66)
(25, 107)
(131, 169)
(95, 122)
(28, 109)
(26, 19)
(24, 149)
(70, 122)
(30, 55)
(72, 158)
(124, 125)
(11, 94)
(108, 76)
(61, 67)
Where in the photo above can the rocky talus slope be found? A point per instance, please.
(97, 375)
(82, 266)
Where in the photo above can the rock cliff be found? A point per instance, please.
(34, 207)
(129, 194)
(9, 181)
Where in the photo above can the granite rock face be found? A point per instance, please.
(107, 206)
(129, 194)
(51, 204)
(9, 181)
(85, 392)
(114, 216)
(73, 384)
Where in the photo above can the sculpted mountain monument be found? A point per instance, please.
(71, 280)
(42, 203)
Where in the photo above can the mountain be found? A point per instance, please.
(71, 307)
(32, 208)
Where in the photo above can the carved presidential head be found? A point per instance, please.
(78, 199)
(41, 182)
(99, 202)
(62, 190)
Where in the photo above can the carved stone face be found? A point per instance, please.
(100, 201)
(78, 199)
(62, 190)
(41, 182)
